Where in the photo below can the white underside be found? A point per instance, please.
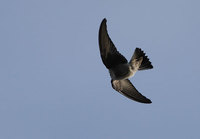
(131, 73)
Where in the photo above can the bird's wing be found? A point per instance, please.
(126, 88)
(109, 54)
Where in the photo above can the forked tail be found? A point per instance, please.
(145, 64)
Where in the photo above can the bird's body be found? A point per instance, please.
(119, 68)
(122, 71)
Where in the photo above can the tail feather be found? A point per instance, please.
(146, 64)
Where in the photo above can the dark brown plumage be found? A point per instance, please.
(119, 68)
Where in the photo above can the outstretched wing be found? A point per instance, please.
(109, 54)
(126, 88)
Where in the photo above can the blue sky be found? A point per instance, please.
(53, 83)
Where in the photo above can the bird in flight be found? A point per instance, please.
(119, 68)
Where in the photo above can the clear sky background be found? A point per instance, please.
(53, 84)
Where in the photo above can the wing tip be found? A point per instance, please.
(103, 21)
(148, 101)
(144, 101)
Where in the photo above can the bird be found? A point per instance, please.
(119, 68)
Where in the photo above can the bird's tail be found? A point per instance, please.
(139, 54)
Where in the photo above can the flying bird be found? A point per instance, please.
(119, 68)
